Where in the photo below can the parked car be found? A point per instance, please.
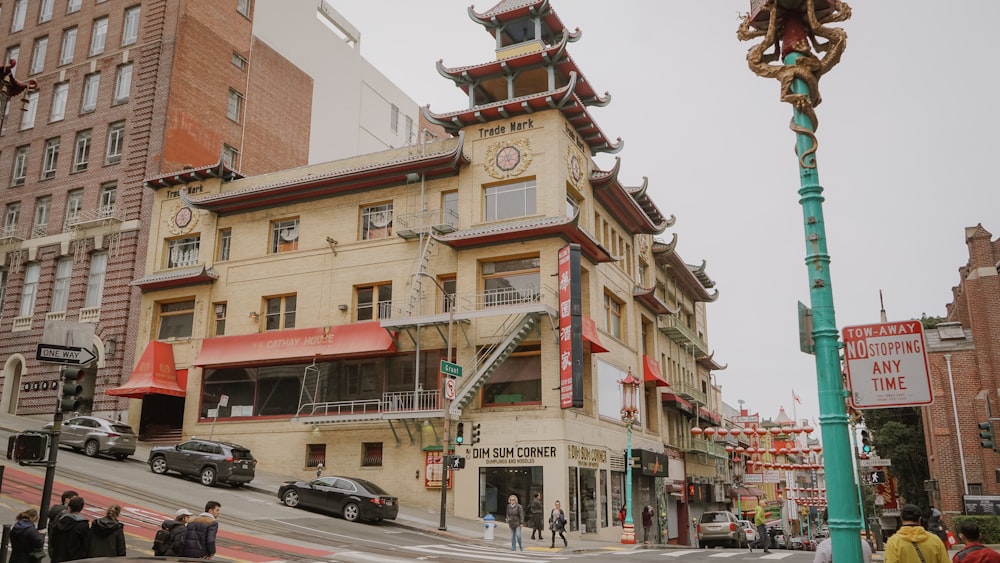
(778, 539)
(751, 532)
(800, 543)
(95, 436)
(211, 461)
(720, 528)
(354, 499)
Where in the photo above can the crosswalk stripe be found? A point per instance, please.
(474, 552)
(679, 552)
(726, 554)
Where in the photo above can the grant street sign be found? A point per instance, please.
(450, 369)
(887, 365)
(69, 355)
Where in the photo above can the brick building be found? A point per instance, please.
(964, 355)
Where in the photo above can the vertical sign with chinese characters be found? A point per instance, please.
(570, 329)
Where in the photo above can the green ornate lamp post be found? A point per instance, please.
(795, 31)
(630, 413)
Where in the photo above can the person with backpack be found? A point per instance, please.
(974, 550)
(169, 539)
(107, 534)
(912, 543)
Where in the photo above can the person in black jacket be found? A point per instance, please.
(57, 510)
(70, 538)
(107, 534)
(199, 537)
(175, 527)
(26, 542)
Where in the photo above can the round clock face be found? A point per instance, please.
(508, 158)
(575, 168)
(183, 217)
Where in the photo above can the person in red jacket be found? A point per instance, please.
(974, 551)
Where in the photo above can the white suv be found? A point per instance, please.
(720, 528)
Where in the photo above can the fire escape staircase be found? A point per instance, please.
(514, 330)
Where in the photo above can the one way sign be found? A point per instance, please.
(69, 355)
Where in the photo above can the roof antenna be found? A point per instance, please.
(882, 304)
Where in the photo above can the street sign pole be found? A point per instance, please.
(50, 467)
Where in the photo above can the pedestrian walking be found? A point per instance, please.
(199, 536)
(536, 509)
(912, 543)
(515, 519)
(824, 552)
(973, 552)
(557, 523)
(647, 523)
(169, 538)
(760, 520)
(935, 525)
(27, 544)
(70, 538)
(107, 534)
(55, 511)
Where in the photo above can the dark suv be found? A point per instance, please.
(212, 461)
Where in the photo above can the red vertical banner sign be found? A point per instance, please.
(570, 328)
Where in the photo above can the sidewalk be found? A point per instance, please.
(463, 530)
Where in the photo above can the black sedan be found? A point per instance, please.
(354, 499)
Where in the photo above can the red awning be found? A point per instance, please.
(651, 372)
(361, 339)
(155, 374)
(590, 335)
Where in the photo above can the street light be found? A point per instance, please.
(792, 30)
(446, 405)
(630, 413)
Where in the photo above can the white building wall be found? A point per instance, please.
(352, 100)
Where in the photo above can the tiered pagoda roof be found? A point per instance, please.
(632, 206)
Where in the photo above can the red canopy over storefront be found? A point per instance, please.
(154, 374)
(354, 340)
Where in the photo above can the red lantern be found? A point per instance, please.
(721, 431)
(696, 431)
(709, 432)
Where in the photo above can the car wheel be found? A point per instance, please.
(291, 498)
(92, 448)
(208, 476)
(121, 457)
(352, 512)
(158, 465)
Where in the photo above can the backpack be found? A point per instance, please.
(161, 542)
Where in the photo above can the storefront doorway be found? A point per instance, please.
(496, 484)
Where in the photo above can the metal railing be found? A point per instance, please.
(393, 403)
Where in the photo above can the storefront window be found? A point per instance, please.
(497, 483)
(617, 493)
(574, 501)
(588, 501)
(603, 491)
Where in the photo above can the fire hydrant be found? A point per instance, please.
(489, 525)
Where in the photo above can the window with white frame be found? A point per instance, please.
(68, 47)
(449, 208)
(374, 301)
(38, 55)
(116, 142)
(123, 83)
(612, 316)
(394, 118)
(220, 318)
(12, 213)
(284, 235)
(279, 312)
(30, 110)
(176, 320)
(243, 7)
(91, 84)
(40, 227)
(225, 245)
(508, 201)
(45, 11)
(20, 10)
(234, 106)
(376, 221)
(81, 150)
(239, 61)
(59, 95)
(74, 205)
(13, 53)
(29, 292)
(230, 156)
(183, 251)
(98, 35)
(51, 158)
(106, 203)
(509, 282)
(20, 167)
(73, 6)
(60, 289)
(95, 279)
(130, 29)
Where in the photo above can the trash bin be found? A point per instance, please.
(489, 524)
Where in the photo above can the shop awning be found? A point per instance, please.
(155, 374)
(651, 372)
(354, 340)
(590, 335)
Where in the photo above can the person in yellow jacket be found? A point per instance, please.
(760, 520)
(912, 543)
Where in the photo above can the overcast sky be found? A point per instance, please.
(907, 129)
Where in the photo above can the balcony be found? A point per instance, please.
(712, 448)
(10, 234)
(104, 215)
(438, 221)
(690, 392)
(392, 406)
(672, 326)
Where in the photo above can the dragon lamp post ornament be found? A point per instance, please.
(11, 87)
(793, 27)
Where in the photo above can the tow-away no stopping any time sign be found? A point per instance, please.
(887, 365)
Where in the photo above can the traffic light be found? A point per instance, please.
(29, 447)
(986, 439)
(475, 433)
(72, 388)
(460, 433)
(866, 442)
(877, 477)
